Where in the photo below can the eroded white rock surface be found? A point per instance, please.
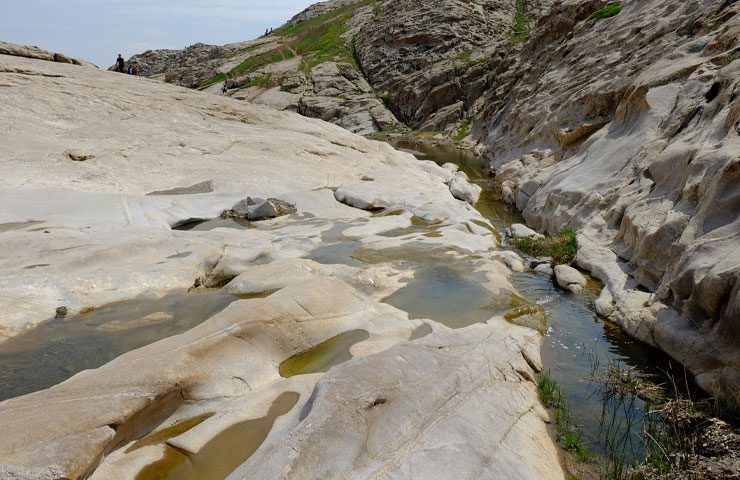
(99, 166)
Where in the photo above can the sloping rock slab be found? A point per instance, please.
(471, 412)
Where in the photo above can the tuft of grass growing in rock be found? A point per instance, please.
(522, 23)
(464, 55)
(609, 11)
(463, 131)
(568, 435)
(562, 247)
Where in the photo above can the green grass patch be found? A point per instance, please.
(261, 81)
(609, 11)
(562, 247)
(522, 23)
(215, 79)
(462, 131)
(465, 55)
(325, 43)
(568, 435)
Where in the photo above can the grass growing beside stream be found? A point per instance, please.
(568, 435)
(562, 247)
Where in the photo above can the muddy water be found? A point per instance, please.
(222, 454)
(324, 355)
(444, 294)
(577, 339)
(59, 348)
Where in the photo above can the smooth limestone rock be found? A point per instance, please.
(518, 230)
(85, 234)
(381, 419)
(99, 209)
(569, 278)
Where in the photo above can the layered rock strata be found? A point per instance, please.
(627, 130)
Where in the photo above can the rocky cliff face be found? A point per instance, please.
(430, 58)
(626, 130)
(367, 65)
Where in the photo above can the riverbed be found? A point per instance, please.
(578, 343)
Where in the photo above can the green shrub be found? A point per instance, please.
(562, 247)
(609, 11)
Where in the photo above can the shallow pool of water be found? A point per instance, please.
(578, 341)
(59, 348)
(445, 295)
(324, 355)
(490, 204)
(222, 454)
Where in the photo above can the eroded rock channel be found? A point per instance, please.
(378, 327)
(104, 234)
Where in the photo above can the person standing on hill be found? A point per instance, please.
(120, 64)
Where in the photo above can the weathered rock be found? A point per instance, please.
(36, 53)
(545, 269)
(643, 145)
(427, 56)
(403, 423)
(518, 230)
(569, 278)
(462, 189)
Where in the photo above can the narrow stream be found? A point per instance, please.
(577, 339)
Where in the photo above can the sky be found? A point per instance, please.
(98, 30)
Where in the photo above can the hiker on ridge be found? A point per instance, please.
(120, 64)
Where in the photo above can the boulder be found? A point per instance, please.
(519, 230)
(256, 209)
(462, 189)
(569, 278)
(544, 269)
